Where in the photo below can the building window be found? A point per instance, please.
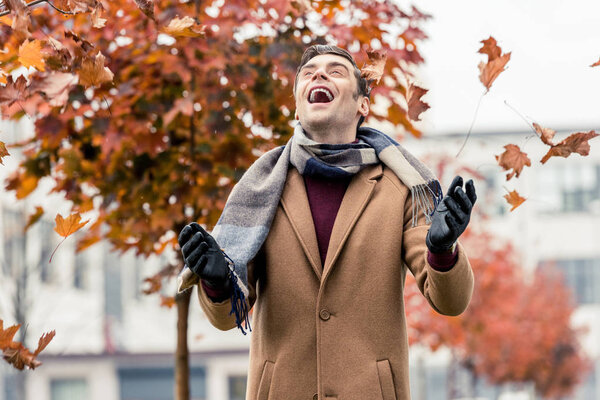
(582, 276)
(237, 387)
(68, 389)
(569, 188)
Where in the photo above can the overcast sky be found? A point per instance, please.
(548, 79)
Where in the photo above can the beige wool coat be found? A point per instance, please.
(338, 331)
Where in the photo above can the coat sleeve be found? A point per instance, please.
(448, 292)
(218, 313)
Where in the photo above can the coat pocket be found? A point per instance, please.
(386, 380)
(265, 381)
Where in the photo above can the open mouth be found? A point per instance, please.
(320, 95)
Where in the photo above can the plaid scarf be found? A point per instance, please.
(251, 206)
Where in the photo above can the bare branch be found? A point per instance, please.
(35, 3)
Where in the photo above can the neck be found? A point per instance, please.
(332, 134)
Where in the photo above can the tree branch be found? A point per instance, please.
(36, 2)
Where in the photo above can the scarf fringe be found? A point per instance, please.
(239, 296)
(425, 198)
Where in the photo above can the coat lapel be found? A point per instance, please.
(295, 204)
(355, 200)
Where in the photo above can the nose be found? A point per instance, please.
(319, 74)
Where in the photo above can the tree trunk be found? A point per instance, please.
(182, 362)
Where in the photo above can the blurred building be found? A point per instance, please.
(114, 342)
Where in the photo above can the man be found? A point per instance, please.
(318, 236)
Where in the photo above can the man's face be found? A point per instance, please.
(327, 94)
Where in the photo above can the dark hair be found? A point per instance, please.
(362, 85)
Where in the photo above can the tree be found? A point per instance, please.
(516, 328)
(149, 118)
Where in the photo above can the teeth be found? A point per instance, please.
(311, 97)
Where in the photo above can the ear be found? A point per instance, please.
(363, 108)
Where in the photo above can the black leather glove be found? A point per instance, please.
(203, 256)
(451, 216)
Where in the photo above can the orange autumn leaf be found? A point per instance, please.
(56, 87)
(3, 76)
(546, 134)
(597, 63)
(488, 72)
(93, 72)
(514, 199)
(574, 143)
(65, 227)
(3, 152)
(513, 158)
(184, 27)
(27, 185)
(372, 71)
(168, 302)
(415, 105)
(20, 12)
(33, 218)
(15, 353)
(30, 55)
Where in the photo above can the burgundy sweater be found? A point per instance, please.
(325, 197)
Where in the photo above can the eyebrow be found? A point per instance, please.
(329, 65)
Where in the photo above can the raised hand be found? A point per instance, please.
(203, 256)
(451, 216)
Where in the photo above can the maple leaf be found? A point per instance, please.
(21, 16)
(97, 20)
(66, 227)
(56, 86)
(514, 199)
(30, 55)
(93, 72)
(13, 91)
(513, 158)
(44, 341)
(3, 152)
(18, 355)
(415, 105)
(168, 302)
(35, 217)
(7, 335)
(597, 63)
(84, 44)
(372, 71)
(488, 72)
(546, 134)
(574, 143)
(81, 6)
(147, 7)
(185, 26)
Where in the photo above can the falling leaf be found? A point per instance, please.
(93, 72)
(56, 86)
(373, 70)
(514, 199)
(30, 55)
(546, 134)
(513, 158)
(183, 27)
(574, 143)
(18, 355)
(415, 105)
(147, 7)
(597, 63)
(3, 152)
(35, 217)
(168, 302)
(65, 227)
(488, 72)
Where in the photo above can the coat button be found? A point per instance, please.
(324, 314)
(315, 397)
